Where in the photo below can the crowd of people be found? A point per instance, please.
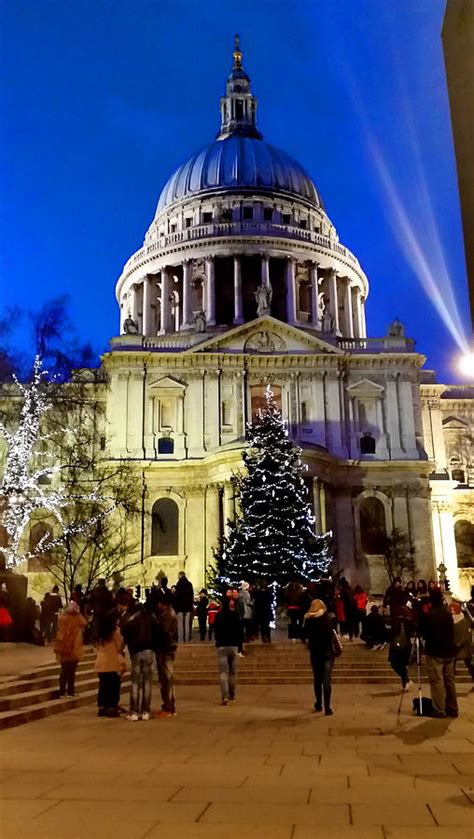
(319, 614)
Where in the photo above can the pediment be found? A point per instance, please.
(167, 383)
(455, 423)
(267, 336)
(365, 388)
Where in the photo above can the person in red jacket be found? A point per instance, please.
(212, 611)
(360, 610)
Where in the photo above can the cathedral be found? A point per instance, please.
(242, 282)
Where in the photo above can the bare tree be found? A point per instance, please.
(398, 554)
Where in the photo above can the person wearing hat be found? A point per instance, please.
(318, 633)
(68, 646)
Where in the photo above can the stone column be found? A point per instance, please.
(265, 274)
(165, 325)
(362, 318)
(133, 304)
(313, 273)
(348, 324)
(229, 513)
(333, 299)
(210, 291)
(445, 542)
(290, 291)
(148, 318)
(357, 314)
(212, 521)
(187, 313)
(238, 308)
(322, 506)
(317, 507)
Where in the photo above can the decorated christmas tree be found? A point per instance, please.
(274, 536)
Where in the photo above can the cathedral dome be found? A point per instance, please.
(238, 162)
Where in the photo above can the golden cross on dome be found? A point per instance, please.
(237, 52)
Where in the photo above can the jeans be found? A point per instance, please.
(67, 677)
(186, 617)
(165, 667)
(322, 668)
(443, 688)
(226, 658)
(202, 621)
(142, 673)
(109, 691)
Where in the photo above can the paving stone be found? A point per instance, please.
(233, 830)
(387, 814)
(112, 791)
(427, 833)
(266, 794)
(105, 811)
(269, 814)
(76, 829)
(10, 808)
(345, 832)
(435, 764)
(460, 811)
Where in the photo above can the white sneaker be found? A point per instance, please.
(382, 646)
(408, 686)
(146, 716)
(376, 648)
(133, 717)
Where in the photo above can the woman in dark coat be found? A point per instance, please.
(317, 631)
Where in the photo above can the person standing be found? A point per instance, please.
(360, 610)
(201, 612)
(395, 598)
(244, 606)
(400, 646)
(318, 633)
(110, 666)
(101, 602)
(347, 596)
(212, 611)
(229, 637)
(138, 636)
(462, 638)
(165, 644)
(263, 610)
(294, 594)
(437, 628)
(69, 647)
(184, 603)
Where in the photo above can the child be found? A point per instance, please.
(68, 646)
(110, 665)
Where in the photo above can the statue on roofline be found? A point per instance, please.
(263, 296)
(130, 326)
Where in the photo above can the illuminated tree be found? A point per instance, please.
(274, 537)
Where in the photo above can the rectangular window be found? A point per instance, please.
(303, 224)
(248, 213)
(286, 218)
(206, 217)
(267, 214)
(188, 221)
(172, 228)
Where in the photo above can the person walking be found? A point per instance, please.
(110, 666)
(229, 637)
(347, 596)
(293, 595)
(375, 631)
(437, 628)
(318, 633)
(462, 638)
(138, 636)
(201, 613)
(165, 644)
(184, 604)
(399, 653)
(212, 611)
(69, 646)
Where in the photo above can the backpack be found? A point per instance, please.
(400, 641)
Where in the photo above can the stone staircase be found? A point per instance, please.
(34, 694)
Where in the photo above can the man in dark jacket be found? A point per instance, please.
(165, 644)
(138, 635)
(229, 638)
(395, 598)
(437, 628)
(184, 603)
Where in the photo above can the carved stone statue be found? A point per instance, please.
(328, 318)
(130, 326)
(396, 329)
(199, 321)
(263, 296)
(265, 342)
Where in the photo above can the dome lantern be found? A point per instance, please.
(238, 106)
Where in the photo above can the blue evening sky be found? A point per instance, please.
(102, 99)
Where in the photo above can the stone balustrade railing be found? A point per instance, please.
(388, 344)
(222, 229)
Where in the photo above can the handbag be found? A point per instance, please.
(336, 644)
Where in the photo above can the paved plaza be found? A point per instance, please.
(264, 767)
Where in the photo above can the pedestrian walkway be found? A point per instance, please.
(264, 767)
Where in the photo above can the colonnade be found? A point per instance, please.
(337, 303)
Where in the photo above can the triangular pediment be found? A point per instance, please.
(454, 423)
(266, 336)
(365, 388)
(166, 383)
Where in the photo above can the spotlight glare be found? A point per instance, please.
(466, 365)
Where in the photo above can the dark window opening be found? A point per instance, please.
(165, 445)
(226, 214)
(103, 442)
(303, 224)
(206, 217)
(367, 444)
(268, 214)
(239, 109)
(164, 528)
(286, 218)
(458, 475)
(188, 222)
(172, 228)
(248, 213)
(373, 531)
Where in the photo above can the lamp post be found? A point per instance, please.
(441, 569)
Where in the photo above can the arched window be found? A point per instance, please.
(464, 535)
(373, 529)
(257, 394)
(164, 528)
(304, 297)
(165, 445)
(40, 532)
(367, 444)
